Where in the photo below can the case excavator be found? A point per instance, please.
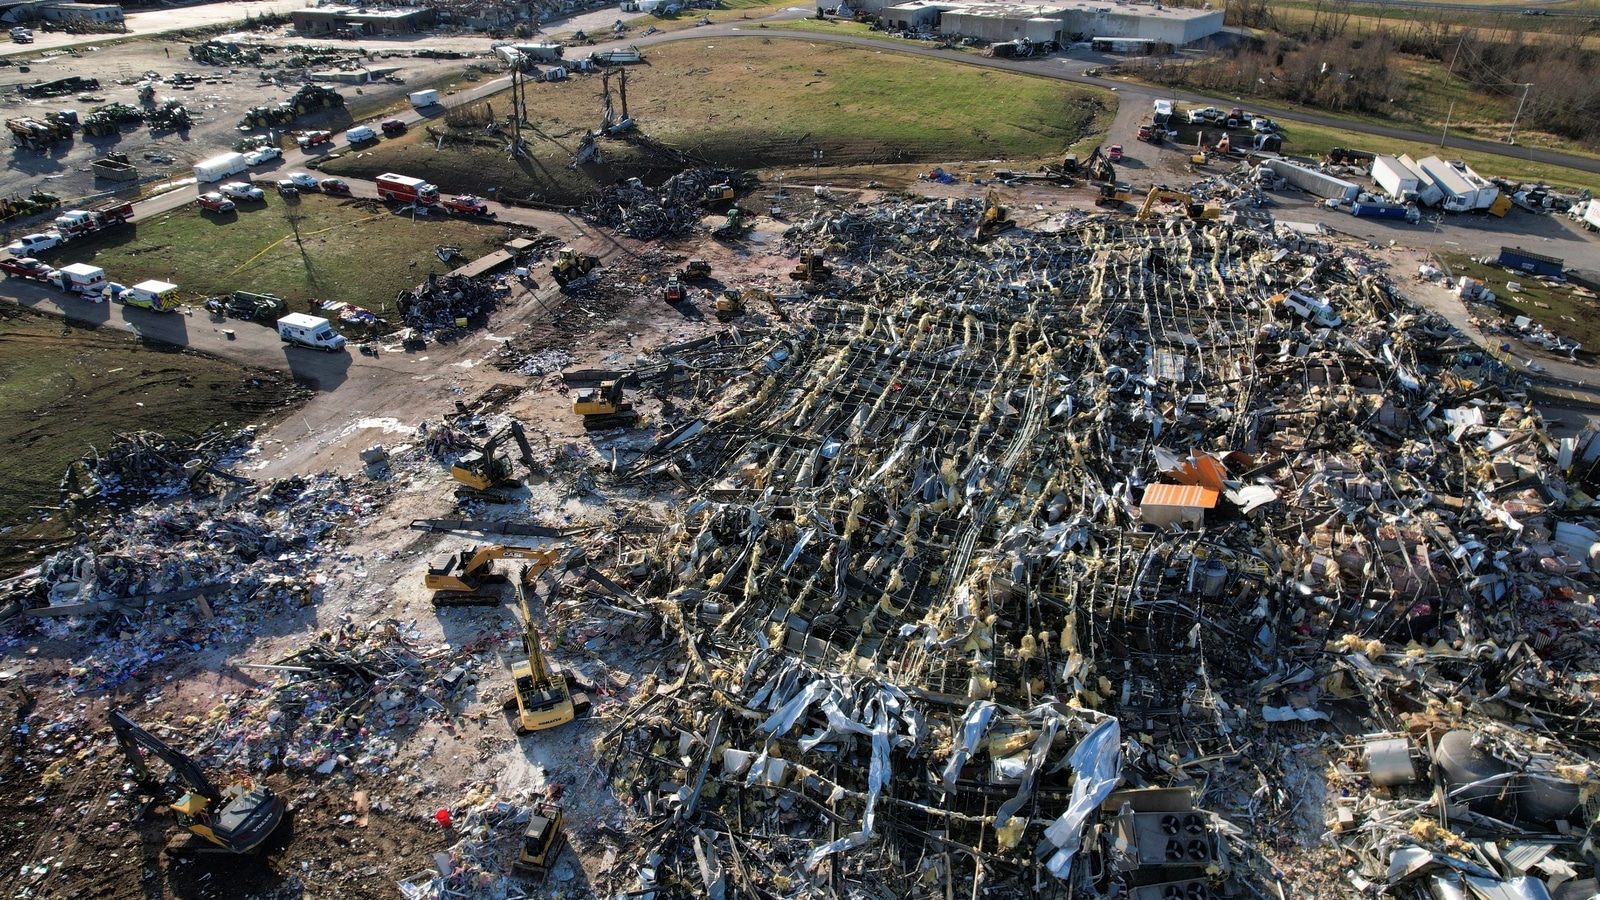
(487, 475)
(467, 577)
(237, 820)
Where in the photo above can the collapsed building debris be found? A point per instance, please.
(670, 211)
(450, 301)
(1004, 527)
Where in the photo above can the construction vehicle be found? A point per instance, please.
(239, 819)
(735, 223)
(718, 193)
(486, 475)
(696, 270)
(542, 698)
(468, 577)
(604, 406)
(811, 267)
(1114, 193)
(673, 293)
(733, 304)
(542, 843)
(570, 265)
(995, 219)
(1099, 168)
(1196, 211)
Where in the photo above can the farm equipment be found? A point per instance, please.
(604, 407)
(238, 820)
(570, 265)
(811, 268)
(61, 87)
(486, 475)
(33, 204)
(696, 270)
(108, 119)
(468, 577)
(735, 223)
(309, 98)
(38, 134)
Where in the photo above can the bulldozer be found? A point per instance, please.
(696, 270)
(1114, 194)
(1195, 211)
(237, 820)
(467, 577)
(733, 304)
(811, 267)
(604, 407)
(542, 843)
(542, 697)
(570, 265)
(995, 219)
(486, 475)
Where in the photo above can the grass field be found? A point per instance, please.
(64, 388)
(355, 251)
(753, 102)
(1560, 309)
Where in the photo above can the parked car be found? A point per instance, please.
(215, 202)
(22, 35)
(335, 187)
(392, 127)
(303, 180)
(243, 190)
(265, 154)
(1263, 126)
(287, 188)
(360, 135)
(29, 245)
(1115, 153)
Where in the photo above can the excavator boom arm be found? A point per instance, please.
(132, 739)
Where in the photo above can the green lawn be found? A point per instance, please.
(1561, 309)
(355, 251)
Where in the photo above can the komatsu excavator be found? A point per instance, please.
(238, 820)
(543, 698)
(468, 576)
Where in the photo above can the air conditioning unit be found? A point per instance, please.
(1173, 890)
(1174, 839)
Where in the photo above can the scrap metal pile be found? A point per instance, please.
(672, 210)
(1008, 525)
(442, 301)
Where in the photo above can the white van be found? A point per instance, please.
(360, 135)
(309, 331)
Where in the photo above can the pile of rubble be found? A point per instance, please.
(673, 210)
(143, 464)
(448, 301)
(1007, 525)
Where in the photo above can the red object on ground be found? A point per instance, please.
(442, 817)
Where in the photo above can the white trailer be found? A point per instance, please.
(1460, 195)
(82, 278)
(420, 99)
(309, 331)
(1428, 193)
(1591, 216)
(1311, 181)
(219, 167)
(1488, 193)
(1396, 180)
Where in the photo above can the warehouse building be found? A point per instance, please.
(1144, 23)
(362, 19)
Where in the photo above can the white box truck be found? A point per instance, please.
(309, 331)
(420, 99)
(1460, 195)
(1396, 180)
(219, 167)
(82, 278)
(1428, 193)
(1591, 216)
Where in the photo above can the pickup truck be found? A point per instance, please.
(467, 205)
(30, 244)
(27, 267)
(243, 190)
(314, 138)
(214, 202)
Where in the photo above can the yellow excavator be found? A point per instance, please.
(604, 406)
(486, 475)
(237, 820)
(1196, 211)
(542, 698)
(811, 267)
(467, 577)
(733, 304)
(995, 219)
